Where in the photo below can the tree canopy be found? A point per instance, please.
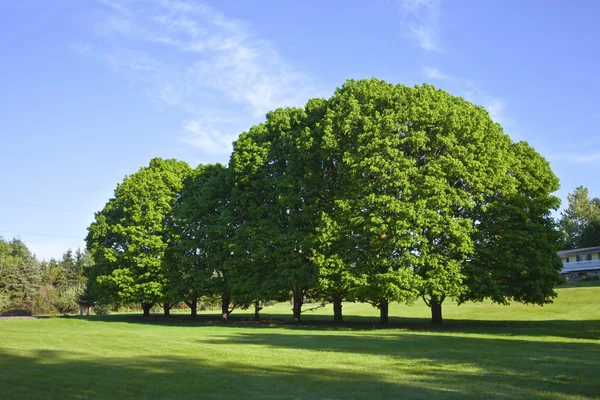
(380, 193)
(129, 237)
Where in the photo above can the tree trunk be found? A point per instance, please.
(436, 311)
(257, 309)
(193, 305)
(146, 307)
(337, 310)
(225, 302)
(297, 307)
(384, 309)
(167, 309)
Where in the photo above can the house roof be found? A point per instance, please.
(564, 253)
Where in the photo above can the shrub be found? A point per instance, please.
(45, 300)
(67, 301)
(562, 281)
(102, 309)
(4, 301)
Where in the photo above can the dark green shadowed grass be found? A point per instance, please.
(485, 351)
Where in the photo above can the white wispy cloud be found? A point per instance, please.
(191, 56)
(421, 19)
(433, 73)
(495, 106)
(215, 135)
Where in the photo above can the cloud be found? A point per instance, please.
(215, 135)
(495, 107)
(421, 18)
(190, 56)
(433, 73)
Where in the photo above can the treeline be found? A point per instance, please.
(380, 193)
(30, 286)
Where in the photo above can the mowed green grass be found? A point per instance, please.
(485, 351)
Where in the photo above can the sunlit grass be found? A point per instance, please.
(485, 351)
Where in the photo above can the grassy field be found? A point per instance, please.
(485, 351)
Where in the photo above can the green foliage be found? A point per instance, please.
(381, 193)
(517, 240)
(19, 274)
(129, 237)
(200, 254)
(102, 309)
(67, 301)
(276, 195)
(45, 301)
(580, 222)
(590, 235)
(4, 301)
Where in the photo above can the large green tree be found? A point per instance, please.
(129, 237)
(276, 199)
(202, 226)
(414, 166)
(364, 234)
(516, 238)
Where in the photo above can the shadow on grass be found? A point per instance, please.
(557, 367)
(578, 329)
(53, 375)
(450, 368)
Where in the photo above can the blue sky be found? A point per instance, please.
(92, 90)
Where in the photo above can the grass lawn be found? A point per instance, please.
(485, 351)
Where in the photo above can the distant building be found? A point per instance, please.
(578, 263)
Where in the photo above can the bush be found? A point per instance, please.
(67, 301)
(562, 281)
(4, 301)
(45, 300)
(102, 309)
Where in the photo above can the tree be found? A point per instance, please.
(19, 275)
(202, 231)
(129, 237)
(580, 219)
(276, 200)
(364, 234)
(517, 240)
(415, 168)
(590, 235)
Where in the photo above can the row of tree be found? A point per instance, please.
(381, 193)
(28, 285)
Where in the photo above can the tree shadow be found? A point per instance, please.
(549, 366)
(576, 329)
(54, 375)
(454, 369)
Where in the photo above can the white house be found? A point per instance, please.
(578, 263)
